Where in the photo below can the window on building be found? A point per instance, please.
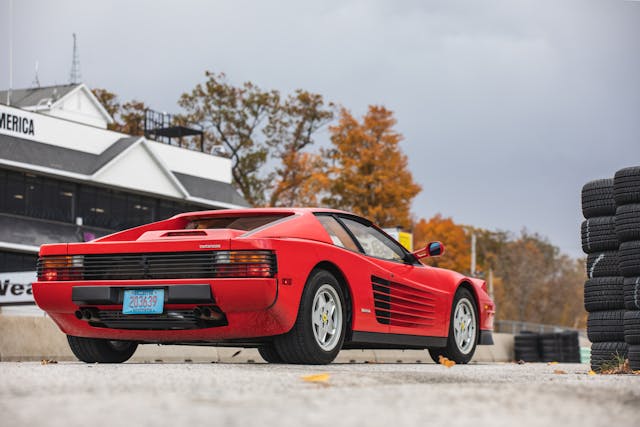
(140, 210)
(15, 194)
(94, 206)
(17, 261)
(51, 199)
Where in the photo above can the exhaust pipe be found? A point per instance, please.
(208, 313)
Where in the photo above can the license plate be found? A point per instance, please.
(143, 301)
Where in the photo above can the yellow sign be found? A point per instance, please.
(406, 240)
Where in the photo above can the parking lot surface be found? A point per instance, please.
(217, 394)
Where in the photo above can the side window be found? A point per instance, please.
(373, 242)
(338, 234)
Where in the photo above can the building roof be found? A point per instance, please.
(54, 159)
(37, 96)
(210, 190)
(65, 159)
(45, 98)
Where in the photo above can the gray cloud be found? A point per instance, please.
(507, 107)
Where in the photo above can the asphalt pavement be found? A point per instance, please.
(219, 394)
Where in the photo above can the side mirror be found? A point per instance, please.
(432, 249)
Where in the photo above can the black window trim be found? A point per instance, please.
(409, 258)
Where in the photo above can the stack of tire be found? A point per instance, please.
(569, 346)
(527, 347)
(626, 190)
(603, 290)
(548, 347)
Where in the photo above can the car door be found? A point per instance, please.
(407, 296)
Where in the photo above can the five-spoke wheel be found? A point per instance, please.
(319, 331)
(463, 330)
(327, 317)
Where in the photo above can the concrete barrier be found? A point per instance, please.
(26, 338)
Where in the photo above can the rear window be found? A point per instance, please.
(245, 223)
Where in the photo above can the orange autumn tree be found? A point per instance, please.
(454, 237)
(368, 172)
(128, 117)
(299, 177)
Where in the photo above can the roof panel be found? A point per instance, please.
(32, 97)
(65, 159)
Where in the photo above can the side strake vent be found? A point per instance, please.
(402, 305)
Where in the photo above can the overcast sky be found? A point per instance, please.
(507, 107)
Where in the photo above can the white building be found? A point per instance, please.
(64, 177)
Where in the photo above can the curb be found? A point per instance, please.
(25, 338)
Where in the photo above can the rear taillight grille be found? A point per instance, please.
(158, 265)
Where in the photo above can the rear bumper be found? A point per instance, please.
(250, 307)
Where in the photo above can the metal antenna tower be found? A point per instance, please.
(74, 76)
(36, 79)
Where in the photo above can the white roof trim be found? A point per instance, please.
(45, 170)
(92, 178)
(28, 167)
(20, 248)
(214, 203)
(91, 96)
(163, 168)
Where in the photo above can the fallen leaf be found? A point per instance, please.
(446, 362)
(559, 372)
(48, 361)
(552, 363)
(591, 372)
(316, 378)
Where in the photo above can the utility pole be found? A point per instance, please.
(473, 254)
(10, 52)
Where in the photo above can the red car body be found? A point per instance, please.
(390, 303)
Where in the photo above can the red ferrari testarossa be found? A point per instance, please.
(297, 284)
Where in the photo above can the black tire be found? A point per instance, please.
(550, 348)
(453, 351)
(629, 254)
(607, 354)
(604, 293)
(269, 353)
(632, 327)
(606, 326)
(631, 289)
(93, 350)
(526, 347)
(634, 357)
(602, 264)
(597, 198)
(599, 234)
(300, 345)
(570, 344)
(628, 222)
(626, 186)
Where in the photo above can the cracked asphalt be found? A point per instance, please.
(221, 394)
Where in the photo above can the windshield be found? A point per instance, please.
(245, 223)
